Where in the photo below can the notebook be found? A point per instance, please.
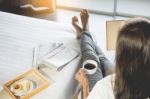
(59, 57)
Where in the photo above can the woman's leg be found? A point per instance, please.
(89, 49)
(108, 67)
(89, 53)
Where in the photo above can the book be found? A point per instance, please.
(112, 28)
(42, 50)
(59, 57)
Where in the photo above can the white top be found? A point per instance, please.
(103, 89)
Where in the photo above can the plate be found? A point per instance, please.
(22, 87)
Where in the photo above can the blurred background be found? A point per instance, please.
(62, 11)
(127, 8)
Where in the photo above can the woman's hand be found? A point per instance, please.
(82, 79)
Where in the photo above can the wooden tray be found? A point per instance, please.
(33, 75)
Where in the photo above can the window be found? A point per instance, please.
(134, 7)
(109, 7)
(94, 5)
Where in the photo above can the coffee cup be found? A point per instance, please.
(89, 66)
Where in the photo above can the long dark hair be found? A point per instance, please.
(132, 79)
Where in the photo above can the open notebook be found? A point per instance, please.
(112, 28)
(55, 55)
(60, 57)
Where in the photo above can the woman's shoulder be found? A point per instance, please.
(103, 88)
(106, 83)
(107, 80)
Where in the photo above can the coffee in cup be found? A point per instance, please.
(90, 66)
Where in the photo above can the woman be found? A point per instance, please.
(132, 72)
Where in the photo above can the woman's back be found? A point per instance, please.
(132, 73)
(132, 79)
(103, 89)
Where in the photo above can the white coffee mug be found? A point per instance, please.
(89, 66)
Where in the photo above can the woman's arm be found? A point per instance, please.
(82, 79)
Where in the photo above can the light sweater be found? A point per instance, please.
(103, 89)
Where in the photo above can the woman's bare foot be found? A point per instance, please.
(76, 26)
(84, 19)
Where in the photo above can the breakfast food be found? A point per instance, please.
(21, 87)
